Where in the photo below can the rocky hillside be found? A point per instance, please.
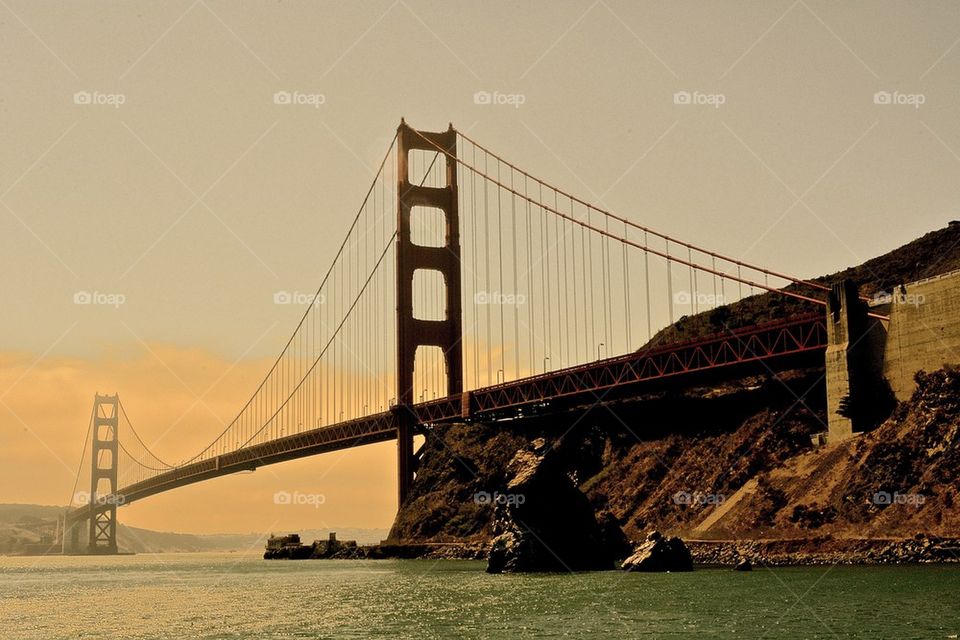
(702, 441)
(737, 464)
(896, 481)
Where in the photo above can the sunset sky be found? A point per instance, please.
(192, 197)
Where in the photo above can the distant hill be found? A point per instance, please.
(26, 523)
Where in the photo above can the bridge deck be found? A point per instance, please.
(628, 374)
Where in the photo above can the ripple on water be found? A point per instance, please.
(231, 596)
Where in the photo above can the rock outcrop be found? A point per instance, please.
(543, 522)
(333, 548)
(289, 547)
(743, 564)
(658, 553)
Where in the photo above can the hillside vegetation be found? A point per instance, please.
(935, 253)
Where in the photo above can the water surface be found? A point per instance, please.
(235, 596)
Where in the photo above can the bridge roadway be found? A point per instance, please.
(777, 345)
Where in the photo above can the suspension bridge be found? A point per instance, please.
(466, 289)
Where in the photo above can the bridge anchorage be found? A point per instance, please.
(511, 298)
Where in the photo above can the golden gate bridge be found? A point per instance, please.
(466, 289)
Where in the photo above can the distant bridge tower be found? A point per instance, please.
(412, 332)
(103, 477)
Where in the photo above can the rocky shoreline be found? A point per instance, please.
(720, 553)
(827, 551)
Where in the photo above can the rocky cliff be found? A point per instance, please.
(665, 463)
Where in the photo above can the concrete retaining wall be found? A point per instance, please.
(924, 330)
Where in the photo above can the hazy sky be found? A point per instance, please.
(190, 193)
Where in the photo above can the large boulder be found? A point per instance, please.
(613, 539)
(743, 564)
(543, 522)
(658, 553)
